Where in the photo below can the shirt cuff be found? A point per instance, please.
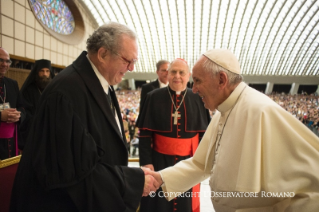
(163, 184)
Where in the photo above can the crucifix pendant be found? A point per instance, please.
(175, 115)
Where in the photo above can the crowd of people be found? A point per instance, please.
(305, 107)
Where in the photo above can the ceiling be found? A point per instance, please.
(269, 37)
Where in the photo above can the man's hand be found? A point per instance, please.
(150, 166)
(10, 115)
(157, 177)
(151, 183)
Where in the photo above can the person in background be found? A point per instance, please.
(161, 71)
(12, 111)
(258, 156)
(171, 122)
(134, 143)
(75, 158)
(32, 88)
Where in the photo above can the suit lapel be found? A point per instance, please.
(85, 70)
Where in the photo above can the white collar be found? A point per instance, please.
(104, 83)
(162, 85)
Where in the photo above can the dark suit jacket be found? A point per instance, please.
(77, 159)
(147, 88)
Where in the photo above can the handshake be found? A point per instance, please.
(153, 180)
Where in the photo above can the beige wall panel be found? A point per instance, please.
(30, 19)
(7, 44)
(60, 47)
(59, 58)
(29, 35)
(38, 38)
(38, 53)
(70, 60)
(7, 8)
(7, 26)
(29, 51)
(19, 48)
(19, 31)
(53, 58)
(27, 5)
(46, 54)
(38, 26)
(65, 49)
(22, 2)
(71, 51)
(46, 41)
(53, 44)
(19, 13)
(65, 60)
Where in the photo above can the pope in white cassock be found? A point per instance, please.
(258, 156)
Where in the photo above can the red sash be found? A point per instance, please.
(7, 130)
(180, 147)
(175, 146)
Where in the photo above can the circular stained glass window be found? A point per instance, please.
(54, 14)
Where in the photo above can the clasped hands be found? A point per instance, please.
(153, 181)
(10, 115)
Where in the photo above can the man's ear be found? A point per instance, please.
(101, 53)
(223, 79)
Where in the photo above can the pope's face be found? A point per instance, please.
(178, 75)
(206, 85)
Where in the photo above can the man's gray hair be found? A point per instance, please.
(214, 69)
(160, 63)
(108, 36)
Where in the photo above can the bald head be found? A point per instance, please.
(178, 74)
(5, 61)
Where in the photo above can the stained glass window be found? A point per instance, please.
(54, 14)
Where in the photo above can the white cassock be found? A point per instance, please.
(262, 149)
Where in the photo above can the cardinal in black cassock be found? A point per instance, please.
(171, 122)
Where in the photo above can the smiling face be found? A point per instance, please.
(206, 85)
(4, 66)
(178, 75)
(113, 66)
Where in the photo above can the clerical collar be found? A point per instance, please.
(231, 100)
(104, 83)
(176, 92)
(162, 85)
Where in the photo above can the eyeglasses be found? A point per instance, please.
(126, 60)
(5, 61)
(181, 73)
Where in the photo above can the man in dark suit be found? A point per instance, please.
(161, 82)
(75, 158)
(11, 109)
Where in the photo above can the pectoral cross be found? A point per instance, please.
(176, 115)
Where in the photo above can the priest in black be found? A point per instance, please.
(171, 122)
(75, 158)
(32, 88)
(11, 110)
